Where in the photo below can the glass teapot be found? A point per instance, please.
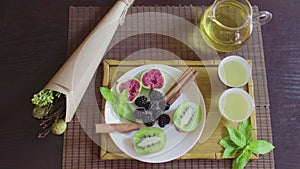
(226, 25)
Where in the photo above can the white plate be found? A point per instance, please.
(177, 143)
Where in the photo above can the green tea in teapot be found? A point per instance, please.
(226, 25)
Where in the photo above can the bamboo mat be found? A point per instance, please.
(79, 151)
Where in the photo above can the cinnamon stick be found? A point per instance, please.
(188, 72)
(122, 128)
(183, 87)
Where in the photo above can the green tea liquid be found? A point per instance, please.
(218, 35)
(236, 106)
(234, 73)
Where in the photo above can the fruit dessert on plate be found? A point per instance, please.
(149, 96)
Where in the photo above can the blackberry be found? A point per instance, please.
(139, 113)
(154, 105)
(163, 120)
(140, 101)
(147, 118)
(149, 124)
(156, 114)
(148, 105)
(155, 95)
(162, 104)
(167, 107)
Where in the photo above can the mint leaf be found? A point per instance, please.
(124, 111)
(115, 98)
(225, 142)
(261, 147)
(118, 109)
(236, 136)
(107, 94)
(229, 146)
(124, 95)
(241, 161)
(246, 129)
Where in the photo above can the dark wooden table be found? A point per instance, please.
(33, 45)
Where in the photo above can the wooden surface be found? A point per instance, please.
(207, 69)
(33, 46)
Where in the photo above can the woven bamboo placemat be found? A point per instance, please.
(79, 151)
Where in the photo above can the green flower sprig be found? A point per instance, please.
(239, 144)
(43, 98)
(50, 110)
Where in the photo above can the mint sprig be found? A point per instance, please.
(119, 102)
(240, 144)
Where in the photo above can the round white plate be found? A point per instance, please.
(177, 143)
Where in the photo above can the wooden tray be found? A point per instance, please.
(210, 149)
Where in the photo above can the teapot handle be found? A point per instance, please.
(262, 17)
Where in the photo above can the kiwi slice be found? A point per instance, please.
(149, 140)
(187, 116)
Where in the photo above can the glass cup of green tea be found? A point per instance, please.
(236, 105)
(234, 71)
(226, 25)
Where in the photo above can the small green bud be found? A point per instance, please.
(39, 112)
(43, 98)
(59, 127)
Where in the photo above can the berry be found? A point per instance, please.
(147, 118)
(164, 105)
(155, 95)
(141, 101)
(150, 123)
(139, 113)
(156, 114)
(167, 107)
(163, 120)
(154, 105)
(148, 105)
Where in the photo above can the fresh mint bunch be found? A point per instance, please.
(240, 144)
